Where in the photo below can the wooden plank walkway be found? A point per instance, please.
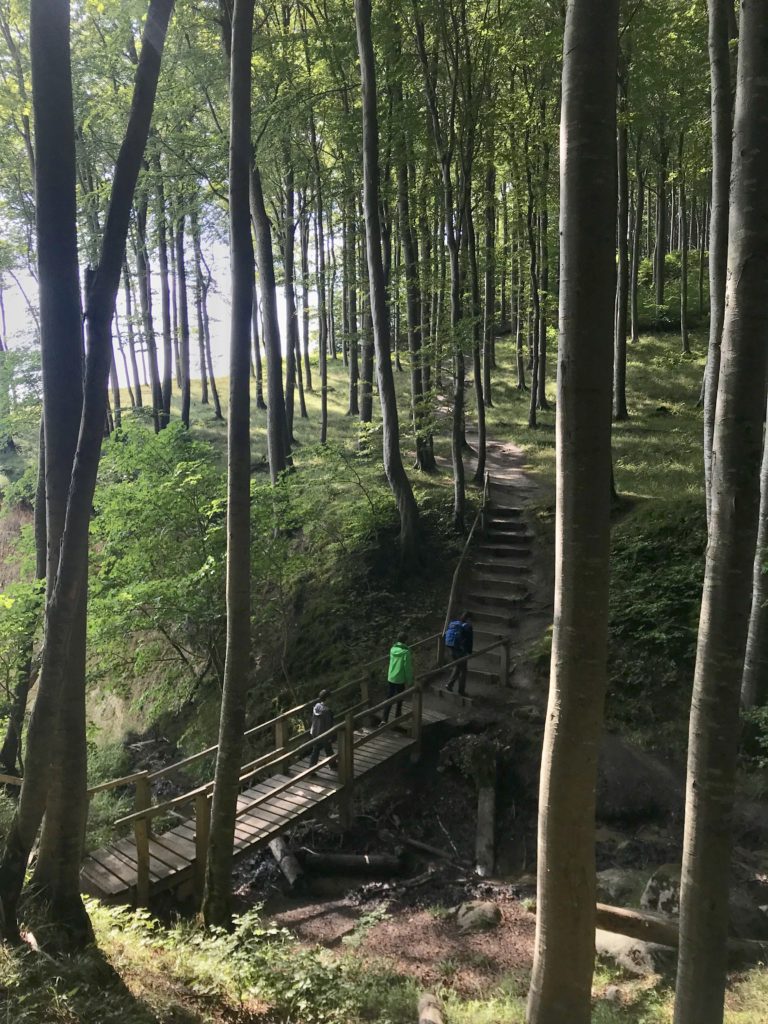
(111, 873)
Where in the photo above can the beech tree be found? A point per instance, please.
(217, 903)
(735, 492)
(565, 917)
(393, 463)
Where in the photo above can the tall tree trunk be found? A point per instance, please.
(683, 216)
(131, 335)
(637, 237)
(660, 253)
(260, 403)
(277, 431)
(217, 903)
(564, 953)
(322, 309)
(181, 276)
(720, 93)
(541, 365)
(489, 308)
(291, 318)
(195, 231)
(115, 384)
(366, 343)
(622, 277)
(55, 779)
(474, 284)
(206, 284)
(713, 739)
(165, 297)
(354, 335)
(393, 465)
(535, 308)
(175, 311)
(305, 291)
(701, 246)
(143, 274)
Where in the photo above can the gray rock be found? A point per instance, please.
(634, 955)
(477, 915)
(633, 785)
(662, 893)
(621, 886)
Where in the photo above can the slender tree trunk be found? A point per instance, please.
(489, 309)
(474, 282)
(277, 430)
(322, 310)
(720, 92)
(131, 336)
(165, 297)
(260, 403)
(366, 368)
(291, 318)
(541, 366)
(354, 335)
(701, 244)
(637, 237)
(683, 215)
(393, 465)
(143, 274)
(124, 359)
(195, 231)
(206, 284)
(659, 270)
(622, 277)
(217, 903)
(735, 493)
(564, 951)
(534, 291)
(175, 311)
(305, 291)
(115, 383)
(181, 276)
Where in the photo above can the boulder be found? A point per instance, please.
(634, 955)
(633, 785)
(662, 893)
(621, 886)
(477, 916)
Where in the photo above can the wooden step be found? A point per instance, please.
(499, 585)
(500, 525)
(503, 567)
(502, 618)
(499, 600)
(490, 549)
(513, 540)
(504, 511)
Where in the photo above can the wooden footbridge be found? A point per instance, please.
(167, 849)
(278, 789)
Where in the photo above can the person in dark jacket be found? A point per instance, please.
(400, 673)
(459, 639)
(322, 721)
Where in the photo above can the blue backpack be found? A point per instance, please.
(453, 634)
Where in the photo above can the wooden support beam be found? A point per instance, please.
(141, 832)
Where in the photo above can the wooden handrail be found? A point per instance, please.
(460, 565)
(285, 785)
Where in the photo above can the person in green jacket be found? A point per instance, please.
(400, 673)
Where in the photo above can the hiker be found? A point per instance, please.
(400, 673)
(459, 639)
(322, 721)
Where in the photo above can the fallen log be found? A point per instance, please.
(352, 863)
(663, 930)
(430, 1010)
(486, 828)
(434, 851)
(287, 862)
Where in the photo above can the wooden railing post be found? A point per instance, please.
(417, 708)
(202, 835)
(504, 663)
(281, 733)
(141, 832)
(346, 756)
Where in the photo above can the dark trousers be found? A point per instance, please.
(459, 674)
(394, 689)
(314, 757)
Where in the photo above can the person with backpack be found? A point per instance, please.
(400, 673)
(459, 639)
(322, 721)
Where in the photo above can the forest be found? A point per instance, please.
(384, 511)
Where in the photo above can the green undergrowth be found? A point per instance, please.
(142, 972)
